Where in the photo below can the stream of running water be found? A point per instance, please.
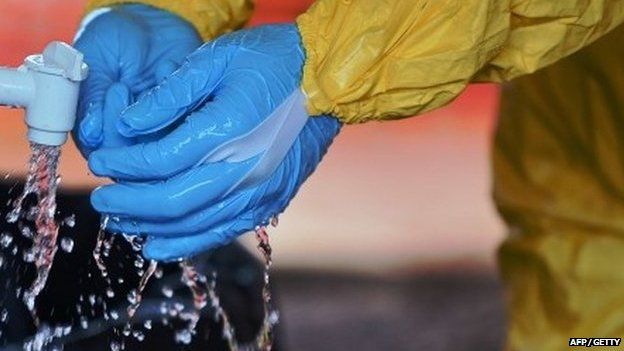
(41, 184)
(42, 181)
(204, 292)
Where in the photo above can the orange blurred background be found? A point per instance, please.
(395, 196)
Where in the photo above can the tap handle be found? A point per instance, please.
(59, 59)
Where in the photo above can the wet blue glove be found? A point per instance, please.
(129, 49)
(243, 146)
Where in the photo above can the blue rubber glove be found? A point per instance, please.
(129, 49)
(237, 101)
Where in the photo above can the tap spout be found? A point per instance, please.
(47, 86)
(17, 87)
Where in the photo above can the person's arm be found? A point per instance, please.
(379, 60)
(211, 18)
(243, 142)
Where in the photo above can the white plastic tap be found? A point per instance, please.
(47, 86)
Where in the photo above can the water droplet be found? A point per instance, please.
(167, 292)
(84, 322)
(108, 245)
(28, 256)
(139, 262)
(31, 214)
(228, 333)
(178, 306)
(114, 315)
(273, 318)
(110, 293)
(26, 232)
(67, 244)
(136, 242)
(148, 324)
(183, 336)
(13, 216)
(137, 334)
(172, 312)
(132, 297)
(115, 346)
(70, 221)
(6, 239)
(275, 221)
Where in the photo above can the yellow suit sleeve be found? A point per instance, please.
(388, 59)
(210, 17)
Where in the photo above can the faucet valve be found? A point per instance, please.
(47, 86)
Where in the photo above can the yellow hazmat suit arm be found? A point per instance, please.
(388, 59)
(210, 17)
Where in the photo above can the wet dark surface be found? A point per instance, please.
(75, 278)
(433, 312)
(319, 311)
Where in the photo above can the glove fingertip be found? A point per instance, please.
(89, 138)
(96, 164)
(98, 200)
(90, 129)
(118, 94)
(159, 250)
(123, 227)
(169, 250)
(124, 126)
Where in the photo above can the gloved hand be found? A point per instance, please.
(129, 49)
(243, 146)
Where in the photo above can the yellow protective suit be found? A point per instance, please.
(559, 153)
(383, 59)
(559, 183)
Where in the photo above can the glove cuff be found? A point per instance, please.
(211, 18)
(92, 15)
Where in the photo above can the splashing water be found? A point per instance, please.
(203, 291)
(67, 244)
(99, 250)
(45, 336)
(196, 283)
(137, 294)
(264, 340)
(42, 181)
